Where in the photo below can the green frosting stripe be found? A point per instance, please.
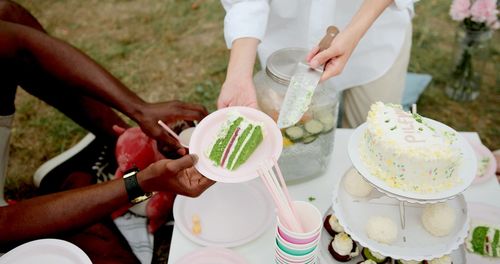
(239, 144)
(249, 148)
(221, 143)
(494, 245)
(478, 239)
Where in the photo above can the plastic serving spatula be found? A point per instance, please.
(302, 85)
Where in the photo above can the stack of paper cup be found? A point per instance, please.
(299, 247)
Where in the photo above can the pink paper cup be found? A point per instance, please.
(297, 241)
(311, 220)
(280, 260)
(295, 259)
(296, 246)
(295, 252)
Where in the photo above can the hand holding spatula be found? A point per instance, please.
(302, 85)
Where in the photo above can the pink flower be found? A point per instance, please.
(495, 25)
(484, 11)
(460, 9)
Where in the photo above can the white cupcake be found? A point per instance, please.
(343, 248)
(368, 261)
(400, 261)
(438, 219)
(382, 229)
(356, 185)
(332, 225)
(442, 260)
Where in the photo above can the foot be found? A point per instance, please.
(91, 156)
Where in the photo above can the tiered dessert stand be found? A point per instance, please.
(413, 242)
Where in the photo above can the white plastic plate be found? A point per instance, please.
(46, 251)
(230, 214)
(482, 152)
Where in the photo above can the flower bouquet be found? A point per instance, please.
(478, 19)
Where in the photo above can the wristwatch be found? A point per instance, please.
(134, 190)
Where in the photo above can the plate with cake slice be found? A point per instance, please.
(408, 156)
(234, 142)
(486, 162)
(483, 242)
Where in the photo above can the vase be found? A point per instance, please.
(471, 55)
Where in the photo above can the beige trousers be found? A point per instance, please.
(388, 89)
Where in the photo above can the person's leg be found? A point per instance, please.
(7, 108)
(388, 89)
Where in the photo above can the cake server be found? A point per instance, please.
(302, 85)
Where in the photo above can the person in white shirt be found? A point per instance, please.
(369, 57)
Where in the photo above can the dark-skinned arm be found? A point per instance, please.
(65, 211)
(73, 67)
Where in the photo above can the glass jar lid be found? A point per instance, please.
(281, 64)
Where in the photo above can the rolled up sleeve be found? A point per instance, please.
(245, 19)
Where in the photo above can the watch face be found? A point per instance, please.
(141, 198)
(132, 171)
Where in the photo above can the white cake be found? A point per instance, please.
(407, 152)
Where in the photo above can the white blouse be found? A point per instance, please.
(302, 23)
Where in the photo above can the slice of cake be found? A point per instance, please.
(409, 153)
(484, 240)
(237, 139)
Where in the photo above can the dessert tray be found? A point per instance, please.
(206, 132)
(413, 241)
(458, 256)
(466, 170)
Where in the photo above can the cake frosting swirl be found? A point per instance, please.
(407, 152)
(334, 224)
(343, 245)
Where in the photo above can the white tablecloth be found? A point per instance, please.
(259, 251)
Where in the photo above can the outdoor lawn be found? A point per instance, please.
(174, 49)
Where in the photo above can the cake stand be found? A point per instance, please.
(413, 241)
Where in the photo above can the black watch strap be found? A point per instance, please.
(134, 190)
